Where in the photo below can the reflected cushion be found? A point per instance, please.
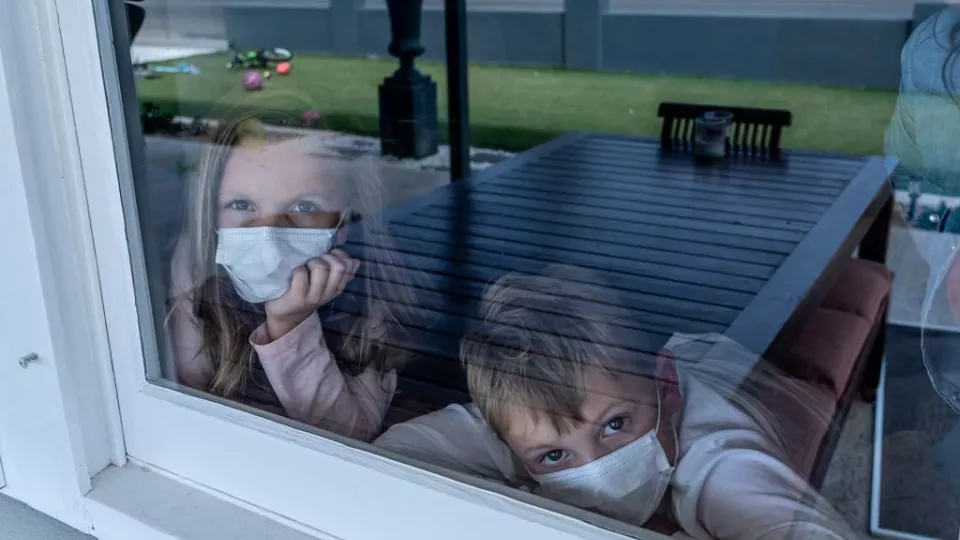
(860, 289)
(828, 348)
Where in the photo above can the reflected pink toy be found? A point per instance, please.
(310, 117)
(252, 80)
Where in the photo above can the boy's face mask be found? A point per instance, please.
(627, 484)
(260, 260)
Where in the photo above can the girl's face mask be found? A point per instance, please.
(276, 212)
(260, 260)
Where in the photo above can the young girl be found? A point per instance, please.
(687, 437)
(255, 267)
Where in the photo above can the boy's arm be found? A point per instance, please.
(748, 494)
(456, 438)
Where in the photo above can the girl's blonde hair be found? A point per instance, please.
(360, 331)
(540, 335)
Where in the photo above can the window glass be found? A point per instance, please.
(685, 265)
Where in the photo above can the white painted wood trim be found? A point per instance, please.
(134, 502)
(60, 424)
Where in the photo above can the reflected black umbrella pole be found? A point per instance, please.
(457, 102)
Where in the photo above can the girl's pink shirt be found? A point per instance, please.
(302, 371)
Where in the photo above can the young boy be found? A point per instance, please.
(612, 430)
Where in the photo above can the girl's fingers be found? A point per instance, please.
(354, 266)
(351, 271)
(338, 267)
(299, 282)
(319, 276)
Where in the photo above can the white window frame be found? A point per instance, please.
(59, 422)
(327, 486)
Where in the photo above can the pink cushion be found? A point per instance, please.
(828, 348)
(860, 289)
(825, 355)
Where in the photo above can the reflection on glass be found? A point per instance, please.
(920, 418)
(463, 329)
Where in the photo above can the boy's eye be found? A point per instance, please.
(553, 457)
(305, 206)
(614, 426)
(239, 205)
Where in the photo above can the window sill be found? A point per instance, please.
(135, 502)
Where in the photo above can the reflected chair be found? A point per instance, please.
(755, 133)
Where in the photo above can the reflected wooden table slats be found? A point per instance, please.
(744, 248)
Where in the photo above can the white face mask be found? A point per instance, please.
(260, 260)
(627, 484)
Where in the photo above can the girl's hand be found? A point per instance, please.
(312, 285)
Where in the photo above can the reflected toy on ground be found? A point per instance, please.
(252, 80)
(182, 67)
(155, 121)
(940, 218)
(310, 117)
(258, 58)
(150, 71)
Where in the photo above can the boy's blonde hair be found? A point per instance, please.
(539, 339)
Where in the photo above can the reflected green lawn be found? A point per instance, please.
(516, 108)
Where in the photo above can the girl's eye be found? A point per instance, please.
(239, 205)
(553, 457)
(305, 206)
(614, 426)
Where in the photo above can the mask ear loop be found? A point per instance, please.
(676, 443)
(343, 220)
(668, 382)
(333, 239)
(656, 429)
